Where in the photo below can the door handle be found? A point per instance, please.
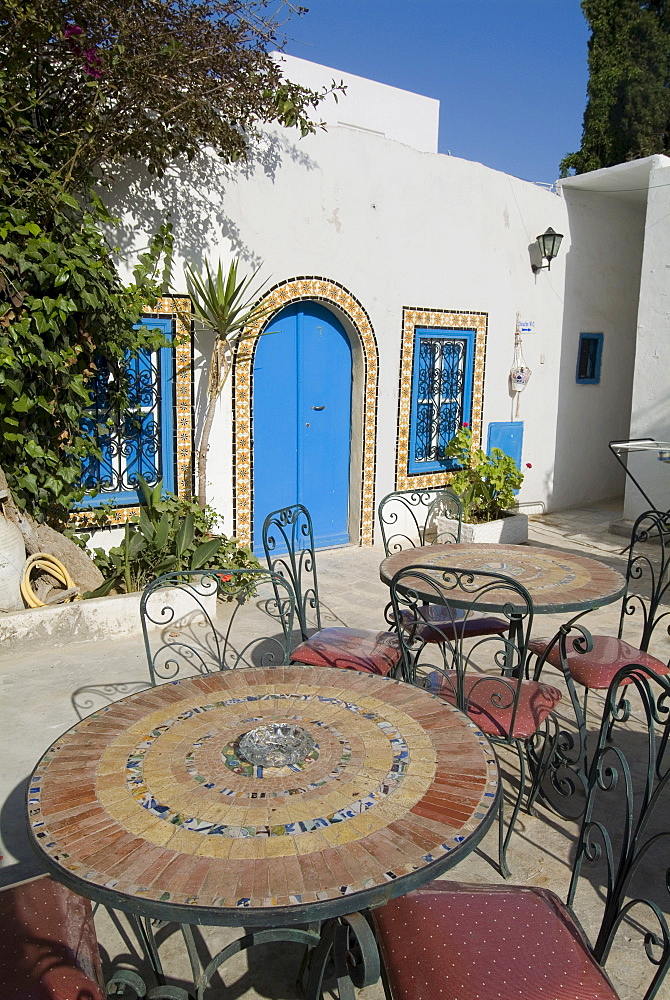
(318, 407)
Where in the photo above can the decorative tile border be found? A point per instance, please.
(438, 319)
(283, 294)
(178, 309)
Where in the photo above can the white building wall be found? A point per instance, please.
(398, 227)
(651, 397)
(601, 296)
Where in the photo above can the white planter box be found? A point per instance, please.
(510, 530)
(97, 618)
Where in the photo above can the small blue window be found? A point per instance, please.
(140, 440)
(442, 373)
(589, 358)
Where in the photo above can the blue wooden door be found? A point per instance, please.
(302, 420)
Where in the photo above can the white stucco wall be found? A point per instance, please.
(601, 296)
(397, 228)
(650, 415)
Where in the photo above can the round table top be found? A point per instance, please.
(148, 805)
(556, 580)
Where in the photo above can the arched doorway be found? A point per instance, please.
(302, 381)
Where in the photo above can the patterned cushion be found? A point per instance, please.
(450, 941)
(448, 624)
(48, 946)
(350, 648)
(597, 668)
(490, 702)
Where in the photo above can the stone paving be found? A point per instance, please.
(36, 707)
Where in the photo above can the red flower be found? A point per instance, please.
(528, 465)
(466, 425)
(224, 578)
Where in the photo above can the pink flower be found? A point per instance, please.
(72, 29)
(528, 465)
(466, 425)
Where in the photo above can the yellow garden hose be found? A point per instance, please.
(49, 564)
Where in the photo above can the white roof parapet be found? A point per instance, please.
(368, 106)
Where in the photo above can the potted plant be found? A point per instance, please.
(485, 485)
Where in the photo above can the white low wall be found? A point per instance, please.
(101, 618)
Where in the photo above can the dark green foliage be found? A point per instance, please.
(86, 85)
(62, 304)
(485, 484)
(628, 111)
(169, 535)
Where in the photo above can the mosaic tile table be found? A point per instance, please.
(148, 805)
(557, 581)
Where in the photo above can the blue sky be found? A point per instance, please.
(510, 75)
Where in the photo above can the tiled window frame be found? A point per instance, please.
(177, 308)
(441, 321)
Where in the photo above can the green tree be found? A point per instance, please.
(628, 109)
(85, 86)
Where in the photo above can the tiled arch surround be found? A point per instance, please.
(365, 359)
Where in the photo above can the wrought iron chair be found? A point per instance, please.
(201, 621)
(288, 541)
(455, 664)
(592, 661)
(461, 941)
(409, 519)
(414, 518)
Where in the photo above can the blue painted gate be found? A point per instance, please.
(302, 420)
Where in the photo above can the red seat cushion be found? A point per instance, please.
(597, 668)
(48, 947)
(450, 941)
(490, 702)
(352, 649)
(449, 624)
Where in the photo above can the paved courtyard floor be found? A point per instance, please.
(35, 707)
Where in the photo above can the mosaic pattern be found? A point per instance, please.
(556, 581)
(178, 309)
(332, 294)
(436, 319)
(144, 797)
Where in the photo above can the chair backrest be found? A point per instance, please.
(201, 621)
(448, 652)
(625, 837)
(412, 518)
(288, 541)
(647, 575)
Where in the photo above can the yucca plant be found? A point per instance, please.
(227, 305)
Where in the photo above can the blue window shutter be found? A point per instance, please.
(442, 375)
(140, 441)
(589, 358)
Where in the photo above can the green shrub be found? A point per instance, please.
(484, 483)
(171, 534)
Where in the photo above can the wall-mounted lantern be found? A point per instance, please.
(549, 244)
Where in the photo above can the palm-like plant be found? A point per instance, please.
(225, 304)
